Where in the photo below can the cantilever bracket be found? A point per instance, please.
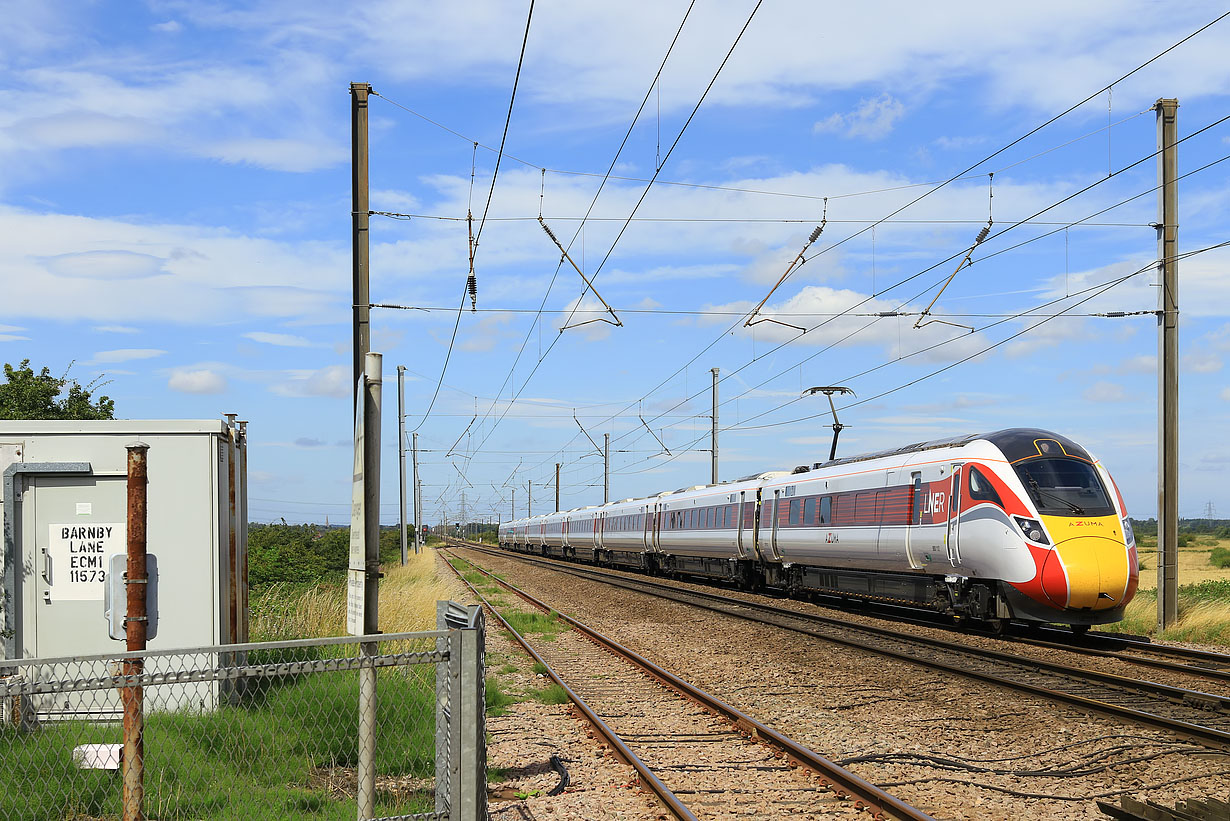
(589, 286)
(965, 261)
(797, 262)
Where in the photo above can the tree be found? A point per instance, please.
(28, 395)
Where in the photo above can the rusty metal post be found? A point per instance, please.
(133, 764)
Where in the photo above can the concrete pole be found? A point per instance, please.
(401, 458)
(359, 225)
(557, 487)
(514, 505)
(606, 468)
(1168, 365)
(135, 625)
(529, 499)
(714, 437)
(418, 498)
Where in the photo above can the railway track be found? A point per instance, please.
(692, 749)
(1192, 714)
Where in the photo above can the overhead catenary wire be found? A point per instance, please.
(678, 137)
(960, 175)
(1193, 35)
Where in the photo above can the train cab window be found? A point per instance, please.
(809, 510)
(981, 489)
(794, 512)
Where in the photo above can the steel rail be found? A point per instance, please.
(1208, 736)
(839, 779)
(663, 792)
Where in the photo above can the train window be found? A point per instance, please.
(794, 512)
(826, 510)
(1063, 487)
(980, 487)
(809, 510)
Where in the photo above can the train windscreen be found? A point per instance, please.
(1064, 487)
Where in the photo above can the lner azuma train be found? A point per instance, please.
(1019, 524)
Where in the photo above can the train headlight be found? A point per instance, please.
(1032, 529)
(1129, 537)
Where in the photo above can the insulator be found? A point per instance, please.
(986, 229)
(815, 235)
(472, 287)
(550, 233)
(887, 313)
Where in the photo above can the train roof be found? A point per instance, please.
(1015, 443)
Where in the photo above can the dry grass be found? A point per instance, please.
(1194, 564)
(408, 595)
(1204, 615)
(408, 598)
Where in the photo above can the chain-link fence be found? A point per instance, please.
(253, 731)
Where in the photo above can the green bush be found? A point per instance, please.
(1220, 557)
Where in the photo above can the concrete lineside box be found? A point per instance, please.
(64, 501)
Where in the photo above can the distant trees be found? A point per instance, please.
(30, 395)
(307, 553)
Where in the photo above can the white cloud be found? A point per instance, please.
(873, 118)
(127, 354)
(333, 381)
(197, 381)
(278, 154)
(1144, 363)
(1201, 362)
(13, 338)
(281, 340)
(106, 265)
(1225, 394)
(168, 27)
(116, 329)
(1105, 392)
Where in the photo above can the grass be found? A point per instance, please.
(546, 625)
(264, 759)
(408, 596)
(539, 669)
(1219, 557)
(282, 753)
(551, 694)
(497, 698)
(1204, 614)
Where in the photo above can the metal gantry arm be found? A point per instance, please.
(829, 390)
(655, 436)
(795, 263)
(589, 286)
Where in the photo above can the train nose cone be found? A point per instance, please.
(1086, 572)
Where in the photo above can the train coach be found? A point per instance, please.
(1019, 524)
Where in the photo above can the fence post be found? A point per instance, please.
(135, 623)
(461, 730)
(443, 711)
(471, 720)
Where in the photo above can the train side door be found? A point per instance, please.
(600, 530)
(743, 548)
(777, 495)
(953, 540)
(914, 540)
(655, 524)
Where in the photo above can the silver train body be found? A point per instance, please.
(1017, 524)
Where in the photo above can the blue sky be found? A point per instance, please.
(174, 198)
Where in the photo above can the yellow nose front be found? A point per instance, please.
(1095, 560)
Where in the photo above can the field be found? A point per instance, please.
(1204, 594)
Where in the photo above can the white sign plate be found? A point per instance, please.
(358, 553)
(77, 558)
